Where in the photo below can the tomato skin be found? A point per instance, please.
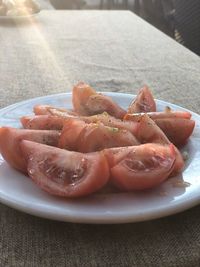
(42, 122)
(49, 110)
(87, 101)
(149, 132)
(177, 126)
(69, 138)
(140, 167)
(111, 121)
(178, 131)
(10, 139)
(99, 103)
(82, 137)
(80, 94)
(65, 173)
(56, 121)
(159, 115)
(144, 102)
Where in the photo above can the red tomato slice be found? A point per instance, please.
(111, 121)
(140, 167)
(64, 173)
(177, 130)
(10, 139)
(176, 125)
(149, 132)
(87, 101)
(49, 110)
(81, 93)
(82, 137)
(104, 118)
(99, 103)
(69, 138)
(159, 115)
(42, 122)
(144, 102)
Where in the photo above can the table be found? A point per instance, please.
(44, 4)
(112, 51)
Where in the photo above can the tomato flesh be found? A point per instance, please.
(49, 110)
(111, 121)
(140, 167)
(10, 139)
(82, 137)
(69, 138)
(177, 126)
(65, 173)
(178, 131)
(81, 93)
(144, 102)
(87, 101)
(149, 132)
(42, 122)
(159, 115)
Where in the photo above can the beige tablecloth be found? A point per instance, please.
(112, 51)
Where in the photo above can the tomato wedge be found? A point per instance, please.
(10, 139)
(42, 122)
(159, 115)
(177, 125)
(81, 93)
(149, 132)
(140, 167)
(49, 110)
(69, 138)
(144, 102)
(177, 130)
(82, 137)
(87, 101)
(111, 121)
(65, 173)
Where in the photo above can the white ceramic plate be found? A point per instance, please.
(19, 192)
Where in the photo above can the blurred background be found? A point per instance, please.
(180, 19)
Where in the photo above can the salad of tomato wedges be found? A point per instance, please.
(98, 144)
